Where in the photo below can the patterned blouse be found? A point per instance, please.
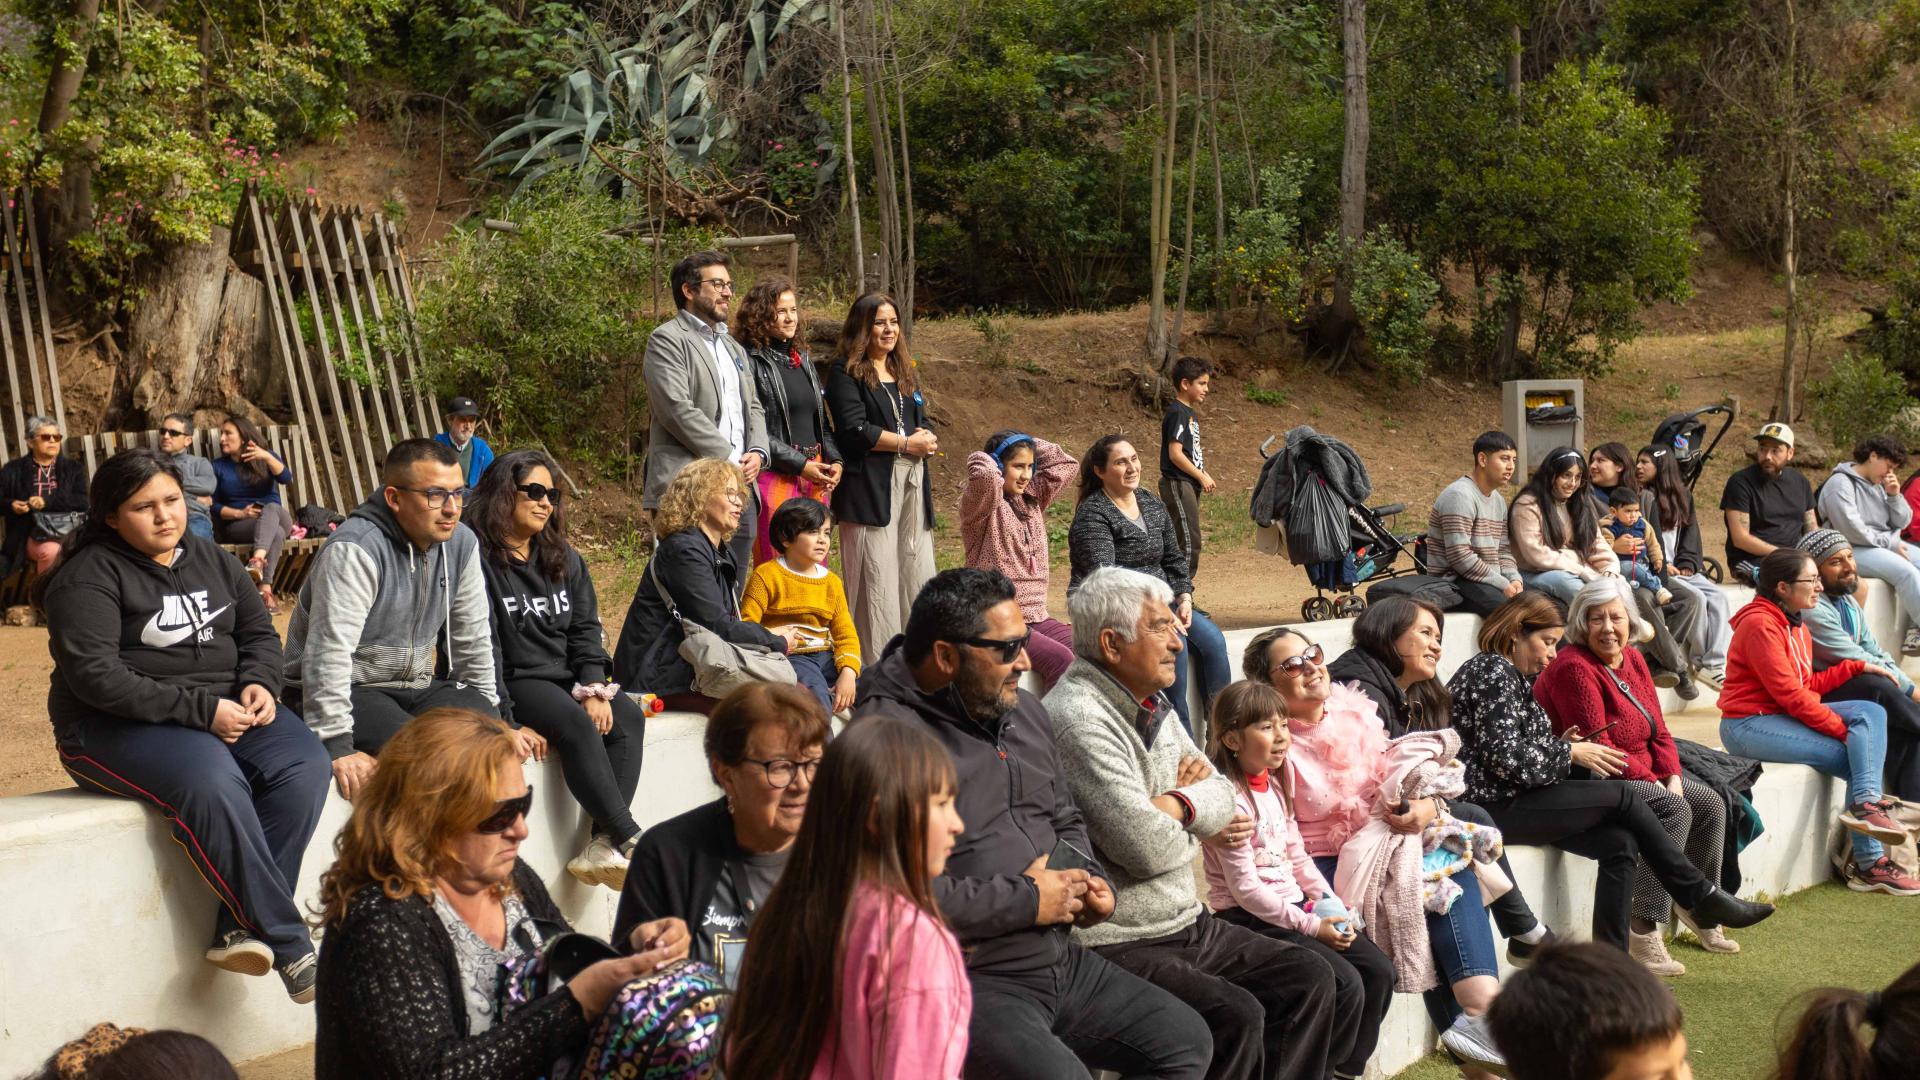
(1506, 739)
(479, 963)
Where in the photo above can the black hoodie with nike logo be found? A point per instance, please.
(136, 640)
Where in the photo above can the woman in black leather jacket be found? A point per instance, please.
(805, 462)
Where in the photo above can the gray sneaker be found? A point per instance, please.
(301, 978)
(241, 953)
(1911, 644)
(1470, 1043)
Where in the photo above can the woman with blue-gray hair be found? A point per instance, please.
(45, 493)
(1003, 527)
(1599, 689)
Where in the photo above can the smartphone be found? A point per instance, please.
(1067, 857)
(1576, 735)
(1598, 730)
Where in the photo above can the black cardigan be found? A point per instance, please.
(390, 1003)
(766, 362)
(1369, 673)
(699, 578)
(676, 869)
(1103, 536)
(861, 414)
(16, 483)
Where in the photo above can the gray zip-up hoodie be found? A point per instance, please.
(372, 611)
(1861, 510)
(1117, 756)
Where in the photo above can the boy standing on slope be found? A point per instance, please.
(1183, 463)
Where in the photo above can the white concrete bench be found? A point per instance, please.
(103, 918)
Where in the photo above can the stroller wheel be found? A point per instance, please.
(1713, 570)
(1349, 606)
(1318, 609)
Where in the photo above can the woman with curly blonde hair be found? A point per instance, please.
(691, 576)
(428, 897)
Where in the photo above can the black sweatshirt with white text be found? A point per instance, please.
(545, 629)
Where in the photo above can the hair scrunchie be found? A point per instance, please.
(73, 1060)
(1875, 1012)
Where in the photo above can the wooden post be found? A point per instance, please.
(345, 269)
(348, 386)
(367, 277)
(19, 263)
(309, 469)
(355, 475)
(46, 320)
(277, 269)
(13, 372)
(403, 307)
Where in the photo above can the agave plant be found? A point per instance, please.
(666, 88)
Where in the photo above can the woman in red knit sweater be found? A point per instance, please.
(1771, 710)
(1599, 689)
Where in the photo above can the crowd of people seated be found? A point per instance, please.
(968, 878)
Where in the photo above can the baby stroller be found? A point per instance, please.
(1316, 489)
(1686, 433)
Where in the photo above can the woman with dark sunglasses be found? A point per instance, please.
(554, 674)
(428, 897)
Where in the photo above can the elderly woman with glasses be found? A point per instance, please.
(44, 491)
(554, 673)
(715, 865)
(691, 577)
(425, 902)
(1771, 710)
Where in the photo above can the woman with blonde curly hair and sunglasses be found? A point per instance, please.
(428, 897)
(691, 576)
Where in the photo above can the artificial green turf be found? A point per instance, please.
(1824, 936)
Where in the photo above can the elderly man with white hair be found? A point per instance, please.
(1150, 799)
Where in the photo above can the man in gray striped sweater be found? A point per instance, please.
(1150, 800)
(1467, 530)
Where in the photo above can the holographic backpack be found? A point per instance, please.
(663, 1026)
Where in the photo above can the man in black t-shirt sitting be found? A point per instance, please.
(1767, 505)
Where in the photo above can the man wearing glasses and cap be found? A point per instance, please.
(1767, 505)
(463, 417)
(701, 398)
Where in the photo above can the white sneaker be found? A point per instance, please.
(1910, 645)
(1650, 951)
(1712, 939)
(241, 953)
(1715, 677)
(1471, 1044)
(600, 863)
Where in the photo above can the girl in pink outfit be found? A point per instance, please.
(1270, 883)
(1003, 526)
(851, 973)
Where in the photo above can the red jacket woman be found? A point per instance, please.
(1580, 692)
(1770, 670)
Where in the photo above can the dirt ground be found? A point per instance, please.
(1064, 378)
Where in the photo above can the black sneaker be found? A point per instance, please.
(1686, 688)
(1520, 954)
(241, 953)
(301, 978)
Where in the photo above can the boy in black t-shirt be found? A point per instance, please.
(1183, 463)
(1767, 505)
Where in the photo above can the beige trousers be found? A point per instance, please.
(885, 565)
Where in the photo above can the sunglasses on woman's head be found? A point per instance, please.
(505, 813)
(1295, 666)
(540, 492)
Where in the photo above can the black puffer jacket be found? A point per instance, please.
(788, 459)
(390, 1002)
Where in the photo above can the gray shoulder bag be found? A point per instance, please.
(720, 666)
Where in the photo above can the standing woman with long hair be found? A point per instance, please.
(1003, 527)
(851, 972)
(555, 674)
(165, 679)
(884, 503)
(805, 462)
(1118, 524)
(1666, 491)
(246, 500)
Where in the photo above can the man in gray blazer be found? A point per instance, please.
(701, 395)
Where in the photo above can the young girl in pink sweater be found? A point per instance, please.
(851, 973)
(1270, 884)
(1003, 526)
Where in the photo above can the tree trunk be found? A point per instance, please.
(1784, 401)
(851, 164)
(1186, 247)
(196, 338)
(908, 255)
(1506, 357)
(1353, 164)
(67, 210)
(1165, 149)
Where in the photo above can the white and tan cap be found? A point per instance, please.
(1776, 431)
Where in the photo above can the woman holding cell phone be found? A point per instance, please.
(1522, 773)
(246, 500)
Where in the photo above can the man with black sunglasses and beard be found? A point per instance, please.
(1023, 873)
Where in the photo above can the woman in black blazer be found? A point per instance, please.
(691, 572)
(880, 420)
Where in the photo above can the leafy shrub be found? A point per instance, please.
(1263, 253)
(1392, 294)
(1862, 396)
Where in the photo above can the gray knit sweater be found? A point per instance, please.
(1113, 773)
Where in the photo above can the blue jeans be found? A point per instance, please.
(816, 671)
(1204, 642)
(1858, 760)
(1896, 568)
(1562, 585)
(200, 525)
(1461, 940)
